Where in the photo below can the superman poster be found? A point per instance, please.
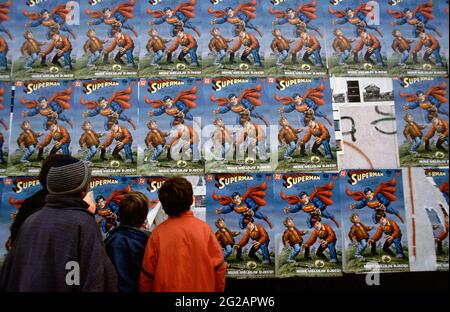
(241, 212)
(239, 130)
(418, 38)
(308, 240)
(234, 38)
(305, 123)
(47, 39)
(356, 40)
(43, 124)
(13, 191)
(373, 221)
(296, 46)
(108, 114)
(6, 39)
(109, 39)
(171, 32)
(5, 123)
(421, 106)
(170, 127)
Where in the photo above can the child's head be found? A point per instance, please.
(68, 176)
(382, 220)
(317, 225)
(408, 118)
(283, 121)
(276, 32)
(288, 222)
(354, 218)
(86, 125)
(396, 33)
(176, 196)
(133, 209)
(337, 32)
(220, 223)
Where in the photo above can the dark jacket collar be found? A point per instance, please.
(129, 232)
(65, 201)
(129, 229)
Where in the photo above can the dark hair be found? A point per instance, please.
(235, 194)
(353, 216)
(133, 209)
(247, 220)
(378, 217)
(286, 220)
(367, 190)
(303, 194)
(176, 196)
(36, 201)
(150, 122)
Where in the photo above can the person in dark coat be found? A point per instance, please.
(59, 248)
(33, 203)
(125, 245)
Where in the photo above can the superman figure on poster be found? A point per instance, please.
(300, 17)
(247, 205)
(307, 104)
(419, 18)
(356, 17)
(314, 204)
(52, 108)
(240, 17)
(242, 104)
(116, 18)
(379, 200)
(430, 101)
(177, 18)
(4, 16)
(178, 107)
(54, 20)
(108, 208)
(112, 109)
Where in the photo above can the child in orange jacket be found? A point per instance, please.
(182, 254)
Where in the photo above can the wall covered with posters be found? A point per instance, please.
(307, 128)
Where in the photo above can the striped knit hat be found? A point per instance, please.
(68, 179)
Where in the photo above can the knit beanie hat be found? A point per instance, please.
(70, 178)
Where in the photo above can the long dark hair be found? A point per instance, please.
(36, 201)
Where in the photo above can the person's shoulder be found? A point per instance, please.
(190, 222)
(260, 227)
(199, 222)
(116, 239)
(83, 215)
